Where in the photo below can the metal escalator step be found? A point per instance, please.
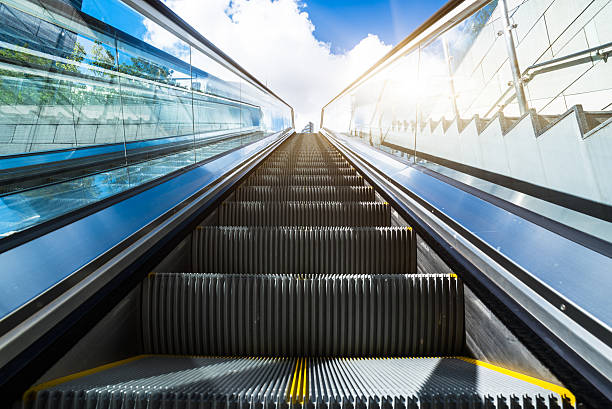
(304, 250)
(314, 162)
(308, 159)
(359, 214)
(305, 171)
(305, 193)
(171, 382)
(430, 383)
(296, 315)
(331, 166)
(302, 180)
(306, 155)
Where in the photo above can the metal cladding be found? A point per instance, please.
(304, 214)
(305, 193)
(292, 315)
(304, 250)
(165, 382)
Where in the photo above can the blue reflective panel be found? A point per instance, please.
(32, 268)
(21, 210)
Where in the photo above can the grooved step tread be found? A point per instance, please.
(304, 250)
(305, 180)
(305, 193)
(169, 382)
(314, 214)
(297, 315)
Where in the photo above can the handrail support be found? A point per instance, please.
(514, 65)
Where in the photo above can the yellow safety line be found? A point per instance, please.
(297, 398)
(30, 392)
(535, 381)
(299, 385)
(295, 378)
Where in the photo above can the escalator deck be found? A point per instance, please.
(302, 293)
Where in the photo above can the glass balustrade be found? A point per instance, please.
(96, 99)
(447, 100)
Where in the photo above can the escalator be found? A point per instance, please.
(303, 289)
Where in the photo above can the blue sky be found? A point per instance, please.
(343, 23)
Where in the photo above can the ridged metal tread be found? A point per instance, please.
(304, 250)
(312, 170)
(333, 162)
(163, 382)
(421, 383)
(304, 180)
(167, 382)
(355, 214)
(296, 315)
(304, 193)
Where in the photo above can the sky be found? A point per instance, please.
(306, 51)
(343, 23)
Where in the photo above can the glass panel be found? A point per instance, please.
(457, 87)
(96, 99)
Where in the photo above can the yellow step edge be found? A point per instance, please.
(526, 378)
(291, 389)
(298, 391)
(49, 384)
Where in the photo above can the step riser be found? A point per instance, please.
(306, 171)
(261, 250)
(224, 315)
(305, 193)
(304, 214)
(274, 180)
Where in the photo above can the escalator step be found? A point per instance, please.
(295, 315)
(431, 383)
(306, 164)
(303, 250)
(312, 170)
(303, 180)
(170, 382)
(359, 214)
(305, 193)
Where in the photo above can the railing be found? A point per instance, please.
(445, 98)
(98, 97)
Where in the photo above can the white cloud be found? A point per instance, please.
(274, 40)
